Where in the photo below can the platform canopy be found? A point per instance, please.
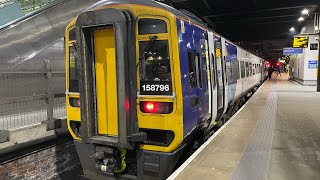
(261, 26)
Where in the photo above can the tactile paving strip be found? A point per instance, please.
(255, 160)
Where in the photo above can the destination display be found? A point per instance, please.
(300, 42)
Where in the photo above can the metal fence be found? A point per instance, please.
(30, 97)
(31, 87)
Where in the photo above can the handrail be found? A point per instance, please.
(44, 8)
(7, 2)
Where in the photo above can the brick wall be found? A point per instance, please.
(50, 163)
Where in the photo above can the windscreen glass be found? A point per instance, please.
(155, 71)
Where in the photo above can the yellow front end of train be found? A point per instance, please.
(124, 61)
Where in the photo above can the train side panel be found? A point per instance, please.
(194, 75)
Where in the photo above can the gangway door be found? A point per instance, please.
(105, 71)
(106, 52)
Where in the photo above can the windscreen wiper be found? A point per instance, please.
(152, 39)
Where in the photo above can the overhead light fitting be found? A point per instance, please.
(292, 29)
(305, 12)
(301, 19)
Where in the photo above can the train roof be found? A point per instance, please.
(182, 14)
(179, 13)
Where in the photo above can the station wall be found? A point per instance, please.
(303, 68)
(51, 163)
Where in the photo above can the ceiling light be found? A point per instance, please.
(301, 19)
(305, 12)
(292, 29)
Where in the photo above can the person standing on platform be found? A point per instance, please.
(278, 69)
(270, 71)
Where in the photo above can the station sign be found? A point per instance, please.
(313, 64)
(314, 46)
(300, 42)
(290, 51)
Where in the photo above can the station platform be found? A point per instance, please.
(275, 135)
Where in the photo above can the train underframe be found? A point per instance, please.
(140, 164)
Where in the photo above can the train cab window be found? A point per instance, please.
(243, 70)
(155, 61)
(154, 57)
(73, 71)
(247, 69)
(151, 26)
(194, 70)
(72, 35)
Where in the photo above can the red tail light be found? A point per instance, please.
(149, 106)
(127, 105)
(156, 107)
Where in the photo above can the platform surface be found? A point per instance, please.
(275, 135)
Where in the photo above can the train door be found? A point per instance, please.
(196, 84)
(213, 79)
(220, 76)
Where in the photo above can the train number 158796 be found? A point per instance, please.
(155, 88)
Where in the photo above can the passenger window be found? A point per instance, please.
(151, 26)
(259, 68)
(194, 70)
(204, 62)
(250, 69)
(253, 69)
(235, 70)
(243, 70)
(247, 69)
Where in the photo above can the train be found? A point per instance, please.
(142, 80)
